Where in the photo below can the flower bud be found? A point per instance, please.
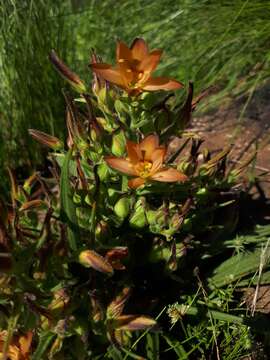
(115, 255)
(122, 109)
(46, 139)
(98, 83)
(138, 218)
(89, 258)
(133, 322)
(118, 144)
(59, 302)
(116, 307)
(67, 74)
(32, 204)
(102, 230)
(122, 207)
(103, 171)
(27, 186)
(151, 216)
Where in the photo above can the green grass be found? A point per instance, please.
(207, 42)
(212, 43)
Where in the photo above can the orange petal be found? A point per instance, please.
(159, 154)
(25, 342)
(126, 72)
(148, 145)
(123, 52)
(139, 49)
(14, 352)
(169, 175)
(133, 151)
(106, 72)
(120, 164)
(135, 183)
(158, 158)
(150, 63)
(161, 83)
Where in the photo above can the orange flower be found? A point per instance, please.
(19, 348)
(145, 161)
(134, 68)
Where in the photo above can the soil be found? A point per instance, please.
(245, 124)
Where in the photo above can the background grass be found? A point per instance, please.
(224, 43)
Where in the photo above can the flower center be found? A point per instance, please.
(143, 168)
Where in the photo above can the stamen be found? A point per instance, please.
(144, 169)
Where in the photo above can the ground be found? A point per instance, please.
(245, 123)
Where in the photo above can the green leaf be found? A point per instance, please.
(152, 346)
(68, 209)
(235, 268)
(177, 347)
(44, 341)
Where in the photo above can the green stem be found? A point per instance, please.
(12, 322)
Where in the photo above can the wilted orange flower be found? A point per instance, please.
(19, 348)
(145, 161)
(134, 68)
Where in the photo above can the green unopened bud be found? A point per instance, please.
(151, 216)
(102, 95)
(122, 207)
(103, 171)
(122, 109)
(102, 230)
(118, 144)
(138, 219)
(90, 258)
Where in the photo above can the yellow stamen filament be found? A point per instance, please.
(143, 169)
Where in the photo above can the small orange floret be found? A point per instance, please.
(133, 70)
(145, 162)
(19, 347)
